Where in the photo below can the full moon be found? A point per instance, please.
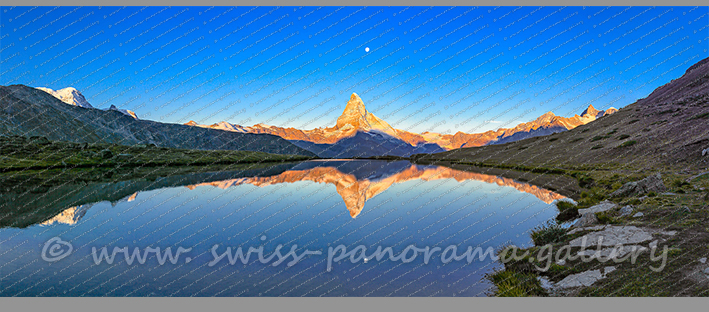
(366, 49)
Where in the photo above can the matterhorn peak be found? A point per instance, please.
(355, 114)
(356, 105)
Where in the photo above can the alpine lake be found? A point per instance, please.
(330, 215)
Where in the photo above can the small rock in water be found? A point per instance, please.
(703, 260)
(706, 271)
(638, 215)
(626, 211)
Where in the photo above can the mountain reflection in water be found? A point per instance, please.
(356, 181)
(359, 181)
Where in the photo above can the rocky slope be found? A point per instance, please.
(28, 112)
(669, 128)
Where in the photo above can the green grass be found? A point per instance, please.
(679, 183)
(623, 136)
(515, 167)
(548, 233)
(516, 284)
(628, 143)
(19, 153)
(603, 137)
(606, 218)
(567, 211)
(593, 196)
(699, 116)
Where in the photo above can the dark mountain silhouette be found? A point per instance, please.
(29, 111)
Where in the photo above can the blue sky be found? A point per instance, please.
(441, 69)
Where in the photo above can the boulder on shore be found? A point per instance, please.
(587, 219)
(626, 211)
(601, 207)
(652, 183)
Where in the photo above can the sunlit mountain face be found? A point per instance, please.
(359, 133)
(359, 181)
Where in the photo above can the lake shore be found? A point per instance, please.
(35, 166)
(38, 153)
(682, 211)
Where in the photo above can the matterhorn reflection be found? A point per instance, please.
(358, 181)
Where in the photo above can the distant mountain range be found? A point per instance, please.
(359, 133)
(72, 96)
(65, 115)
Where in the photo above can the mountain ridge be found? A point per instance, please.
(28, 111)
(356, 119)
(667, 129)
(72, 96)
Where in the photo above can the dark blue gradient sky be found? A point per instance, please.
(438, 69)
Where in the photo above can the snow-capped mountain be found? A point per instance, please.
(27, 111)
(69, 95)
(359, 133)
(72, 96)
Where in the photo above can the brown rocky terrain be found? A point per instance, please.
(669, 129)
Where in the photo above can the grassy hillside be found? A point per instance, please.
(29, 112)
(665, 131)
(18, 153)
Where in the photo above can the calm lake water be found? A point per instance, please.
(315, 205)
